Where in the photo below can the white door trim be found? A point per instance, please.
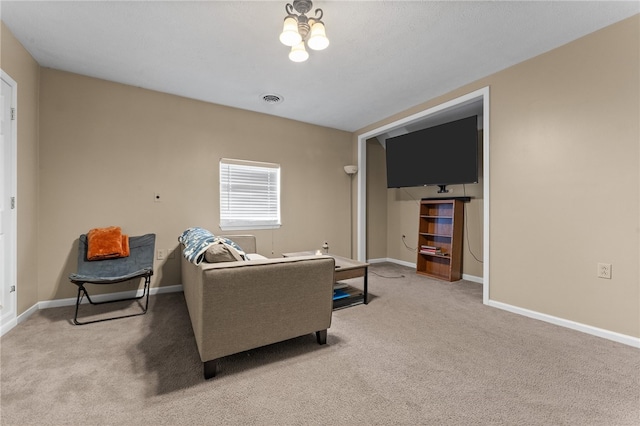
(9, 321)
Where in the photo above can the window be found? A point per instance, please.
(249, 195)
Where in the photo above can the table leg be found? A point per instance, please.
(366, 285)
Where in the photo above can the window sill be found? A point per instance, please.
(247, 227)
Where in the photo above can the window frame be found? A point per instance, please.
(272, 201)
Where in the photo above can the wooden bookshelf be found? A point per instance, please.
(440, 239)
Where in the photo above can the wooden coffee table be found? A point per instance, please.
(345, 269)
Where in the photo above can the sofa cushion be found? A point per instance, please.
(218, 253)
(232, 247)
(254, 256)
(224, 250)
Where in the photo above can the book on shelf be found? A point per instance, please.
(339, 294)
(431, 252)
(426, 249)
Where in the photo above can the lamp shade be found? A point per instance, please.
(318, 39)
(351, 170)
(290, 35)
(298, 53)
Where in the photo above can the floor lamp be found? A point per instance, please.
(351, 171)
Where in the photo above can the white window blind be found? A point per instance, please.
(249, 195)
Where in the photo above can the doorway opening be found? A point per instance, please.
(427, 118)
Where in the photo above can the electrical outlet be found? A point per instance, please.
(604, 270)
(162, 254)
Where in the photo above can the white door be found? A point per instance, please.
(7, 203)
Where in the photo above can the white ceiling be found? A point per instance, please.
(384, 57)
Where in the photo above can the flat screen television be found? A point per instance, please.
(441, 155)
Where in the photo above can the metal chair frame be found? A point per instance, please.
(139, 264)
(82, 291)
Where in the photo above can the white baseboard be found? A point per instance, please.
(26, 314)
(473, 278)
(595, 331)
(396, 261)
(377, 260)
(109, 296)
(20, 318)
(97, 298)
(466, 277)
(8, 326)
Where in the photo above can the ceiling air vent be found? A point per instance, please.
(272, 99)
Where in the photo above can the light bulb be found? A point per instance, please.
(298, 53)
(290, 35)
(318, 39)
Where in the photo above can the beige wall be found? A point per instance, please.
(105, 148)
(564, 180)
(18, 63)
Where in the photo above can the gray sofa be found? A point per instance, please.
(240, 305)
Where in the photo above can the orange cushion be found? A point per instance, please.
(125, 246)
(107, 243)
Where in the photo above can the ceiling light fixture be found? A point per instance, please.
(296, 28)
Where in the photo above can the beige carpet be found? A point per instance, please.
(422, 352)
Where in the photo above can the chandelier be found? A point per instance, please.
(297, 27)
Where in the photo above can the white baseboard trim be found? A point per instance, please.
(8, 326)
(381, 260)
(166, 289)
(396, 261)
(466, 277)
(595, 331)
(20, 318)
(473, 278)
(26, 314)
(97, 298)
(109, 296)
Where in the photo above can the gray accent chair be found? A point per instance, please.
(139, 264)
(241, 305)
